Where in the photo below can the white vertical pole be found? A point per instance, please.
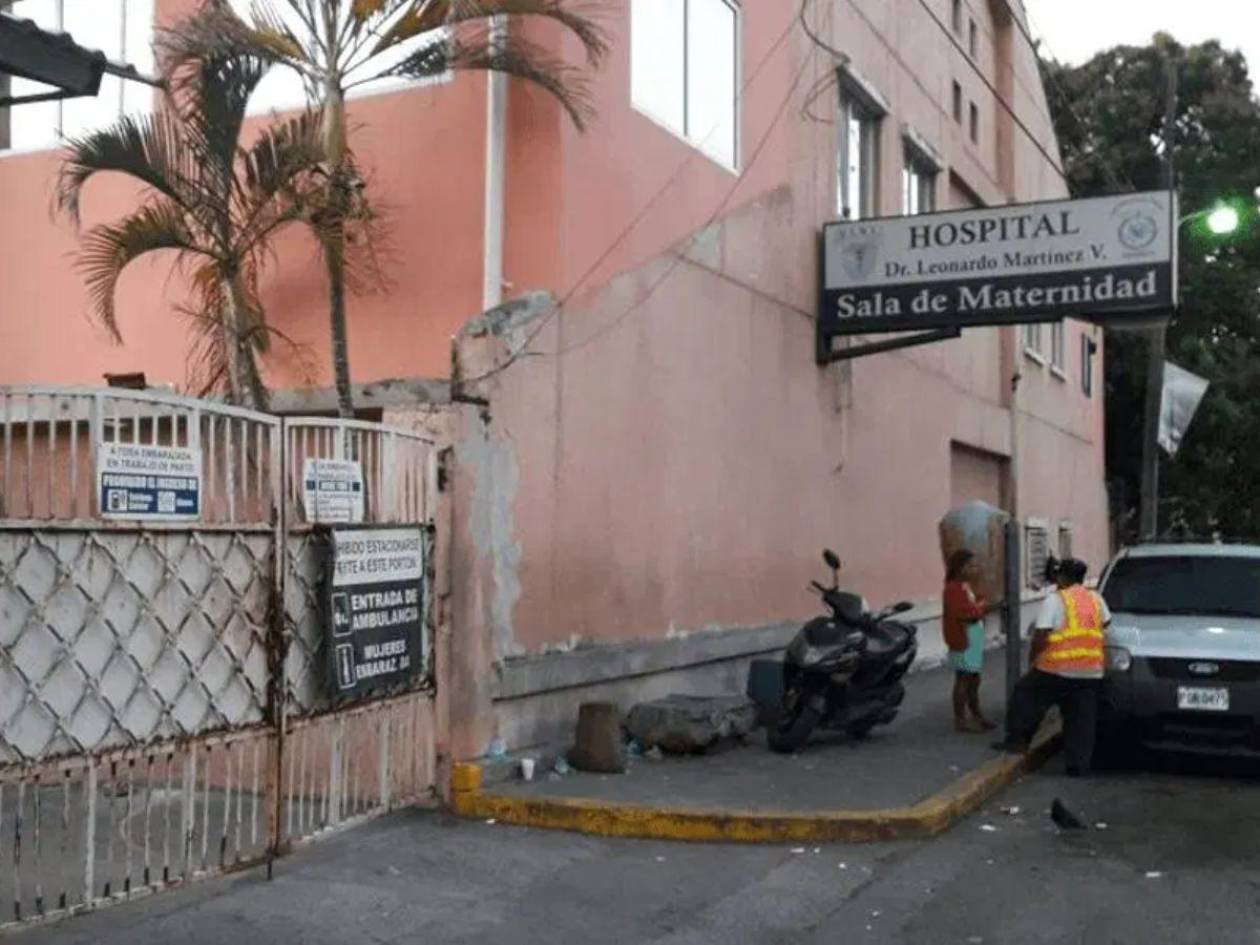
(496, 148)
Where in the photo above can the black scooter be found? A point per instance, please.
(843, 672)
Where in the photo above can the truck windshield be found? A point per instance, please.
(1224, 587)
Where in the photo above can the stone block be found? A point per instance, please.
(689, 724)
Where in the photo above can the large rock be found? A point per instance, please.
(688, 724)
(599, 745)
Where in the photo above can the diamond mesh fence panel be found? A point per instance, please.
(115, 637)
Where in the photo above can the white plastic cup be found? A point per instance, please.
(527, 769)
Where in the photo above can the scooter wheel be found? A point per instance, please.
(790, 734)
(861, 731)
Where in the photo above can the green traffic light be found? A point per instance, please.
(1223, 220)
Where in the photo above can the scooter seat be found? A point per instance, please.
(823, 633)
(886, 640)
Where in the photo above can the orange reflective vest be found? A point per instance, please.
(1076, 649)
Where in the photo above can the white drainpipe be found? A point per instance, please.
(496, 146)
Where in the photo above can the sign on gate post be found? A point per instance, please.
(148, 482)
(332, 491)
(375, 607)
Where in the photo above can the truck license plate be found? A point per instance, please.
(1198, 699)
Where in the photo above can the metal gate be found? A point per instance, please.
(162, 712)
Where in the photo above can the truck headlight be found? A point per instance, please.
(1117, 659)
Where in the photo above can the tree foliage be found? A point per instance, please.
(1110, 117)
(336, 46)
(213, 202)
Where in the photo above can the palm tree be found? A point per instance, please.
(336, 46)
(215, 204)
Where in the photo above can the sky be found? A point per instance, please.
(1073, 30)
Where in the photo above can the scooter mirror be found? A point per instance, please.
(833, 562)
(902, 607)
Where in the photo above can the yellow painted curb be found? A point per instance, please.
(617, 819)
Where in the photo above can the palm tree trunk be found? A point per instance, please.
(230, 327)
(334, 238)
(245, 383)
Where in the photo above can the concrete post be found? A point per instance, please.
(1012, 592)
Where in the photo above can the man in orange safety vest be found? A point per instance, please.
(1067, 656)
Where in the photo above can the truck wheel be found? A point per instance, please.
(792, 729)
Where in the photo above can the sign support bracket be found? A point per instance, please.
(827, 355)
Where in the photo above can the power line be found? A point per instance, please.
(721, 208)
(1007, 107)
(692, 155)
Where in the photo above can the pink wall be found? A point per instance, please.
(423, 150)
(681, 462)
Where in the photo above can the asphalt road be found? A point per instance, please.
(1178, 862)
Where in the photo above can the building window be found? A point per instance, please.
(683, 70)
(1065, 538)
(1037, 546)
(918, 183)
(957, 18)
(973, 39)
(1089, 350)
(975, 124)
(1032, 341)
(857, 186)
(122, 30)
(958, 102)
(1058, 344)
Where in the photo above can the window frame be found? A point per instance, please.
(956, 16)
(870, 122)
(921, 171)
(1058, 348)
(1036, 551)
(974, 122)
(1089, 353)
(957, 102)
(1031, 339)
(1065, 538)
(684, 133)
(973, 39)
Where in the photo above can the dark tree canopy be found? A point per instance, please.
(1110, 117)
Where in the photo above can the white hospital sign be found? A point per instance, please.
(1036, 262)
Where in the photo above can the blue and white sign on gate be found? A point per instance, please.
(148, 482)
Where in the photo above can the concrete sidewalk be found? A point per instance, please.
(899, 765)
(911, 778)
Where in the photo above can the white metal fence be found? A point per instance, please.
(163, 706)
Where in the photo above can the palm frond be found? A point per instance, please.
(275, 162)
(148, 149)
(579, 18)
(364, 10)
(215, 34)
(109, 248)
(511, 55)
(215, 112)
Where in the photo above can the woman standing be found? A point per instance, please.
(963, 625)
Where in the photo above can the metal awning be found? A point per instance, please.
(31, 52)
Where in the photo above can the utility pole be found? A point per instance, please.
(1158, 336)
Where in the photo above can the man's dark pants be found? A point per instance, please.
(1077, 700)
